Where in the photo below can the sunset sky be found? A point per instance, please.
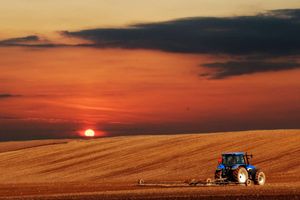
(128, 67)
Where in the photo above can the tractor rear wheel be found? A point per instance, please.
(260, 178)
(240, 175)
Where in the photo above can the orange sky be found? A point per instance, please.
(78, 88)
(61, 91)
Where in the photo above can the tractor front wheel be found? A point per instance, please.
(260, 178)
(240, 175)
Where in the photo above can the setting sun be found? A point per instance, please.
(89, 133)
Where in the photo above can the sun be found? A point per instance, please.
(89, 133)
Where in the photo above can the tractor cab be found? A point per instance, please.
(234, 160)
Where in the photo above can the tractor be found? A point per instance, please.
(235, 167)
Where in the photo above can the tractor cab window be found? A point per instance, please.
(240, 159)
(233, 159)
(228, 160)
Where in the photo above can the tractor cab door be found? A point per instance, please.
(240, 159)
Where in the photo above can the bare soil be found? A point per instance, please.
(108, 168)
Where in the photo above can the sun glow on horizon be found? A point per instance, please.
(89, 133)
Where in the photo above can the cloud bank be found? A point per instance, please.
(20, 40)
(268, 35)
(252, 42)
(273, 33)
(236, 68)
(27, 41)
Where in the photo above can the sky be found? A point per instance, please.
(147, 67)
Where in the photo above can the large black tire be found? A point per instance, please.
(240, 175)
(218, 174)
(260, 178)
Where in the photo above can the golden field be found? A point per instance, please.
(117, 163)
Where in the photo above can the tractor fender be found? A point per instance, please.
(250, 167)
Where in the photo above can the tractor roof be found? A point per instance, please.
(234, 153)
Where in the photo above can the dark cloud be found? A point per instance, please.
(257, 40)
(28, 41)
(235, 68)
(6, 95)
(275, 32)
(20, 40)
(271, 33)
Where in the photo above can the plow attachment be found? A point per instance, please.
(191, 183)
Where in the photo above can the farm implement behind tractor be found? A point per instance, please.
(233, 169)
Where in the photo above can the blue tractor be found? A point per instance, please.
(236, 167)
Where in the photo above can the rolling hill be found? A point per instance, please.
(164, 157)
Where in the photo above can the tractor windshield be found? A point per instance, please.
(229, 159)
